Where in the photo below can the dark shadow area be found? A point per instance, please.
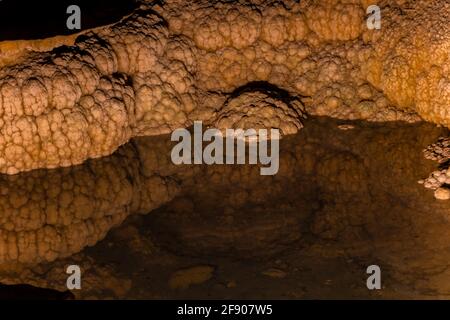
(26, 20)
(27, 292)
(265, 87)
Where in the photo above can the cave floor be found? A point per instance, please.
(295, 274)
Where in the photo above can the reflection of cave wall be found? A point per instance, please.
(345, 177)
(49, 214)
(356, 189)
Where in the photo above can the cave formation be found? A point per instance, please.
(85, 148)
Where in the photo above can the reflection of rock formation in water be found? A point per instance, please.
(153, 72)
(354, 188)
(167, 65)
(48, 214)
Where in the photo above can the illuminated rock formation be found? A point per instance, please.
(150, 74)
(165, 66)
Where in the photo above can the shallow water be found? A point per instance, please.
(341, 201)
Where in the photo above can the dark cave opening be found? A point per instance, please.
(30, 20)
(265, 87)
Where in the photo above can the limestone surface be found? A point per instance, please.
(167, 65)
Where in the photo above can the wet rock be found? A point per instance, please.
(274, 273)
(183, 279)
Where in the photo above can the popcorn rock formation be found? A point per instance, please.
(49, 214)
(151, 73)
(439, 180)
(165, 66)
